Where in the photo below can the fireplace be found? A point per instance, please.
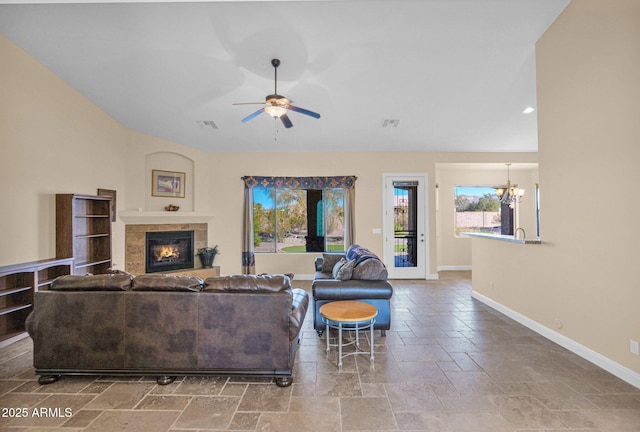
(168, 250)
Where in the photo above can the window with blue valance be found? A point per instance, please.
(297, 214)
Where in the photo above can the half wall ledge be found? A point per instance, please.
(504, 238)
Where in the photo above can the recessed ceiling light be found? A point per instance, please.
(528, 110)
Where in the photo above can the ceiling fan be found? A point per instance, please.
(277, 105)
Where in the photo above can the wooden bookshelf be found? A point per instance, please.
(18, 282)
(83, 232)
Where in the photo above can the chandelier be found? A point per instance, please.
(509, 194)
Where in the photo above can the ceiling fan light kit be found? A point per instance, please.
(275, 110)
(277, 105)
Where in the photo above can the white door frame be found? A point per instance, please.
(421, 271)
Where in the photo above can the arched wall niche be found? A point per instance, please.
(172, 162)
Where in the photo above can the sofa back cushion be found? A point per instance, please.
(251, 283)
(163, 282)
(101, 282)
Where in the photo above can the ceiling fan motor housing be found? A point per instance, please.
(277, 105)
(276, 99)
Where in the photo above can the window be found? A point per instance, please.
(298, 220)
(477, 209)
(311, 217)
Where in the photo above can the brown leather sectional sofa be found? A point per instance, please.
(167, 326)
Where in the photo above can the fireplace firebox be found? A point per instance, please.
(169, 250)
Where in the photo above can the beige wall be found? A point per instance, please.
(52, 140)
(581, 282)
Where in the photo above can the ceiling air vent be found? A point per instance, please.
(389, 123)
(207, 124)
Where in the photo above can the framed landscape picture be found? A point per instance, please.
(167, 184)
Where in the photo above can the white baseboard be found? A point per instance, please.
(454, 268)
(586, 353)
(427, 277)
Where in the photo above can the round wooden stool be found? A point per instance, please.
(349, 315)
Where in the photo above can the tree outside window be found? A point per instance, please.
(298, 220)
(477, 209)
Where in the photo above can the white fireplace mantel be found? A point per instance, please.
(163, 217)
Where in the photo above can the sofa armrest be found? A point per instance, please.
(30, 324)
(299, 305)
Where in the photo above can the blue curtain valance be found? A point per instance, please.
(344, 182)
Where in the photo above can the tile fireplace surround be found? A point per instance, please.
(135, 242)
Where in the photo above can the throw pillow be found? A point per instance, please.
(371, 269)
(330, 260)
(337, 267)
(346, 270)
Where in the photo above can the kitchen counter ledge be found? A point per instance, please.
(504, 238)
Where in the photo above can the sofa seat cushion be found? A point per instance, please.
(321, 275)
(101, 282)
(164, 282)
(251, 283)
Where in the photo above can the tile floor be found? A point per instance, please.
(449, 364)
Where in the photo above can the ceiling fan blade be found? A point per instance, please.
(248, 103)
(303, 111)
(250, 116)
(286, 121)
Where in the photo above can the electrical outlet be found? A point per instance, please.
(558, 323)
(633, 347)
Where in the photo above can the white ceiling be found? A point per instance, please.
(457, 73)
